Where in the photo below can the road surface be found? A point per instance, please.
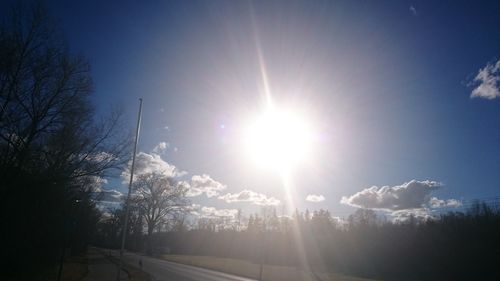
(170, 271)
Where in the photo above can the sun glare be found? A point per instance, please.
(278, 139)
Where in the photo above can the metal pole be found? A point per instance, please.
(127, 203)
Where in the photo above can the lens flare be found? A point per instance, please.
(278, 139)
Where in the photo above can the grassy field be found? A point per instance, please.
(252, 270)
(74, 269)
(135, 273)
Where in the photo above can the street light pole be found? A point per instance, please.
(127, 203)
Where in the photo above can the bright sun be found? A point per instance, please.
(278, 139)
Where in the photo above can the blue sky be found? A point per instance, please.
(387, 83)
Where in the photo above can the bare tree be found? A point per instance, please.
(46, 117)
(363, 217)
(159, 198)
(52, 146)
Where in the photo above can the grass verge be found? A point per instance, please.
(135, 273)
(252, 270)
(74, 269)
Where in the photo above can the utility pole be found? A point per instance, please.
(127, 203)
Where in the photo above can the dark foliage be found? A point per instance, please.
(457, 246)
(52, 150)
(157, 201)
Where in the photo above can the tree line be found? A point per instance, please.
(456, 246)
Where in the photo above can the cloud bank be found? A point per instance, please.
(212, 212)
(251, 197)
(488, 80)
(410, 199)
(409, 195)
(204, 184)
(107, 199)
(421, 214)
(146, 163)
(434, 202)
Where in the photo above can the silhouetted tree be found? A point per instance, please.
(158, 197)
(362, 217)
(53, 151)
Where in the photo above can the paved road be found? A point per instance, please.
(170, 271)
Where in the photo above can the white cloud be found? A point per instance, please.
(411, 199)
(413, 10)
(161, 147)
(489, 82)
(109, 196)
(250, 196)
(146, 163)
(152, 163)
(92, 183)
(420, 214)
(204, 184)
(409, 195)
(315, 198)
(101, 157)
(95, 181)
